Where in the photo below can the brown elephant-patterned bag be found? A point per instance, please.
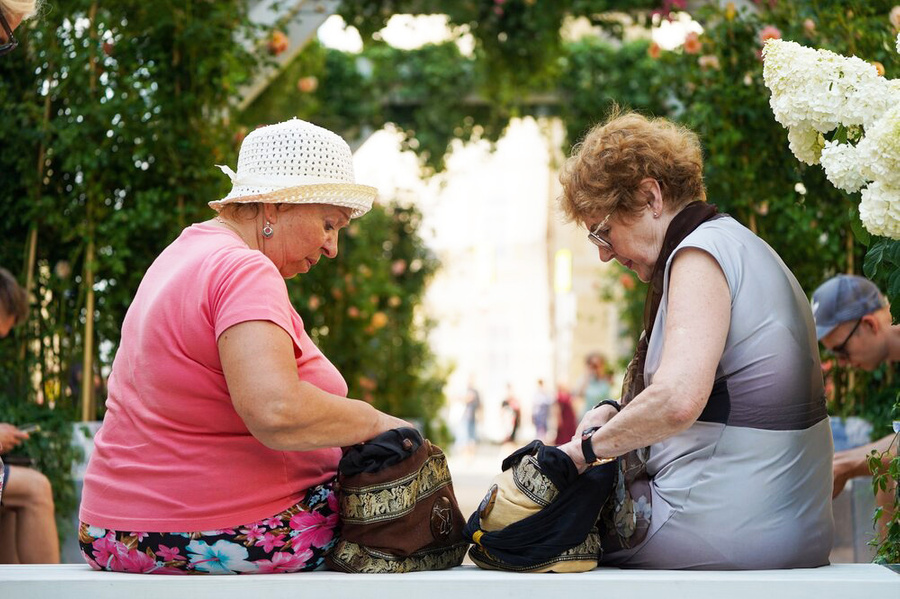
(397, 506)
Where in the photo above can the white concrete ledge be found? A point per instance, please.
(839, 581)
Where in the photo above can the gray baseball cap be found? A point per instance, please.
(841, 299)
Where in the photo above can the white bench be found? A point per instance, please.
(839, 581)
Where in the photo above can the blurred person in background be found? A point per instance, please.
(27, 515)
(725, 388)
(511, 409)
(596, 384)
(219, 449)
(853, 323)
(471, 415)
(566, 422)
(541, 403)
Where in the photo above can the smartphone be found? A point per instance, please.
(30, 428)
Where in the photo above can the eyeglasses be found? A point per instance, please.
(11, 41)
(841, 350)
(594, 234)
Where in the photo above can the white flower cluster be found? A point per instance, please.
(814, 92)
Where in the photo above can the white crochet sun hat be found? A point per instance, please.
(296, 162)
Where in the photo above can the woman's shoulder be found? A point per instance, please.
(223, 258)
(721, 225)
(724, 238)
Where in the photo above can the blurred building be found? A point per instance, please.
(518, 296)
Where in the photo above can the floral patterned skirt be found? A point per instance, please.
(295, 540)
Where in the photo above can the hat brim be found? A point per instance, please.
(822, 331)
(358, 198)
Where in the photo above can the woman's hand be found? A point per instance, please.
(388, 422)
(595, 417)
(573, 450)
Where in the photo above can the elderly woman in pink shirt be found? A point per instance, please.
(220, 444)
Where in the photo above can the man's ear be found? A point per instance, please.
(872, 323)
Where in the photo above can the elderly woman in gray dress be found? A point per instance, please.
(725, 444)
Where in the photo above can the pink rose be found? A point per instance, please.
(769, 32)
(692, 43)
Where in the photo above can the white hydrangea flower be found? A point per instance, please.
(821, 88)
(815, 91)
(898, 43)
(879, 210)
(806, 143)
(879, 150)
(842, 167)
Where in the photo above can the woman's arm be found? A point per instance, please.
(278, 408)
(697, 323)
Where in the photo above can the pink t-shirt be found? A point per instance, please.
(173, 455)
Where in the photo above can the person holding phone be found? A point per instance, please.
(27, 514)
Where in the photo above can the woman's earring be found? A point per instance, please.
(268, 231)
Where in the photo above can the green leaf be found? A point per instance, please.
(893, 286)
(874, 258)
(859, 231)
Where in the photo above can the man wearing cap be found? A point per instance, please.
(853, 322)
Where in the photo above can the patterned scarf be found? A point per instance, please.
(628, 522)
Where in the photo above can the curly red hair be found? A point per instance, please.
(606, 168)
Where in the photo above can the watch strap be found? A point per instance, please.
(587, 449)
(609, 402)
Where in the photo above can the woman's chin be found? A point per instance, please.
(642, 276)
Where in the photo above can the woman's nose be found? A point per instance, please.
(605, 254)
(330, 247)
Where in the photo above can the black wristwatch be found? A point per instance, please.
(587, 450)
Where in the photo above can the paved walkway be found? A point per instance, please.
(473, 472)
(472, 475)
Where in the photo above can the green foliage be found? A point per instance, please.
(882, 265)
(322, 85)
(119, 119)
(363, 311)
(517, 42)
(886, 473)
(597, 75)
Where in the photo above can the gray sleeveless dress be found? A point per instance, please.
(747, 486)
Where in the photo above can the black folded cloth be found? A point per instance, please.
(387, 449)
